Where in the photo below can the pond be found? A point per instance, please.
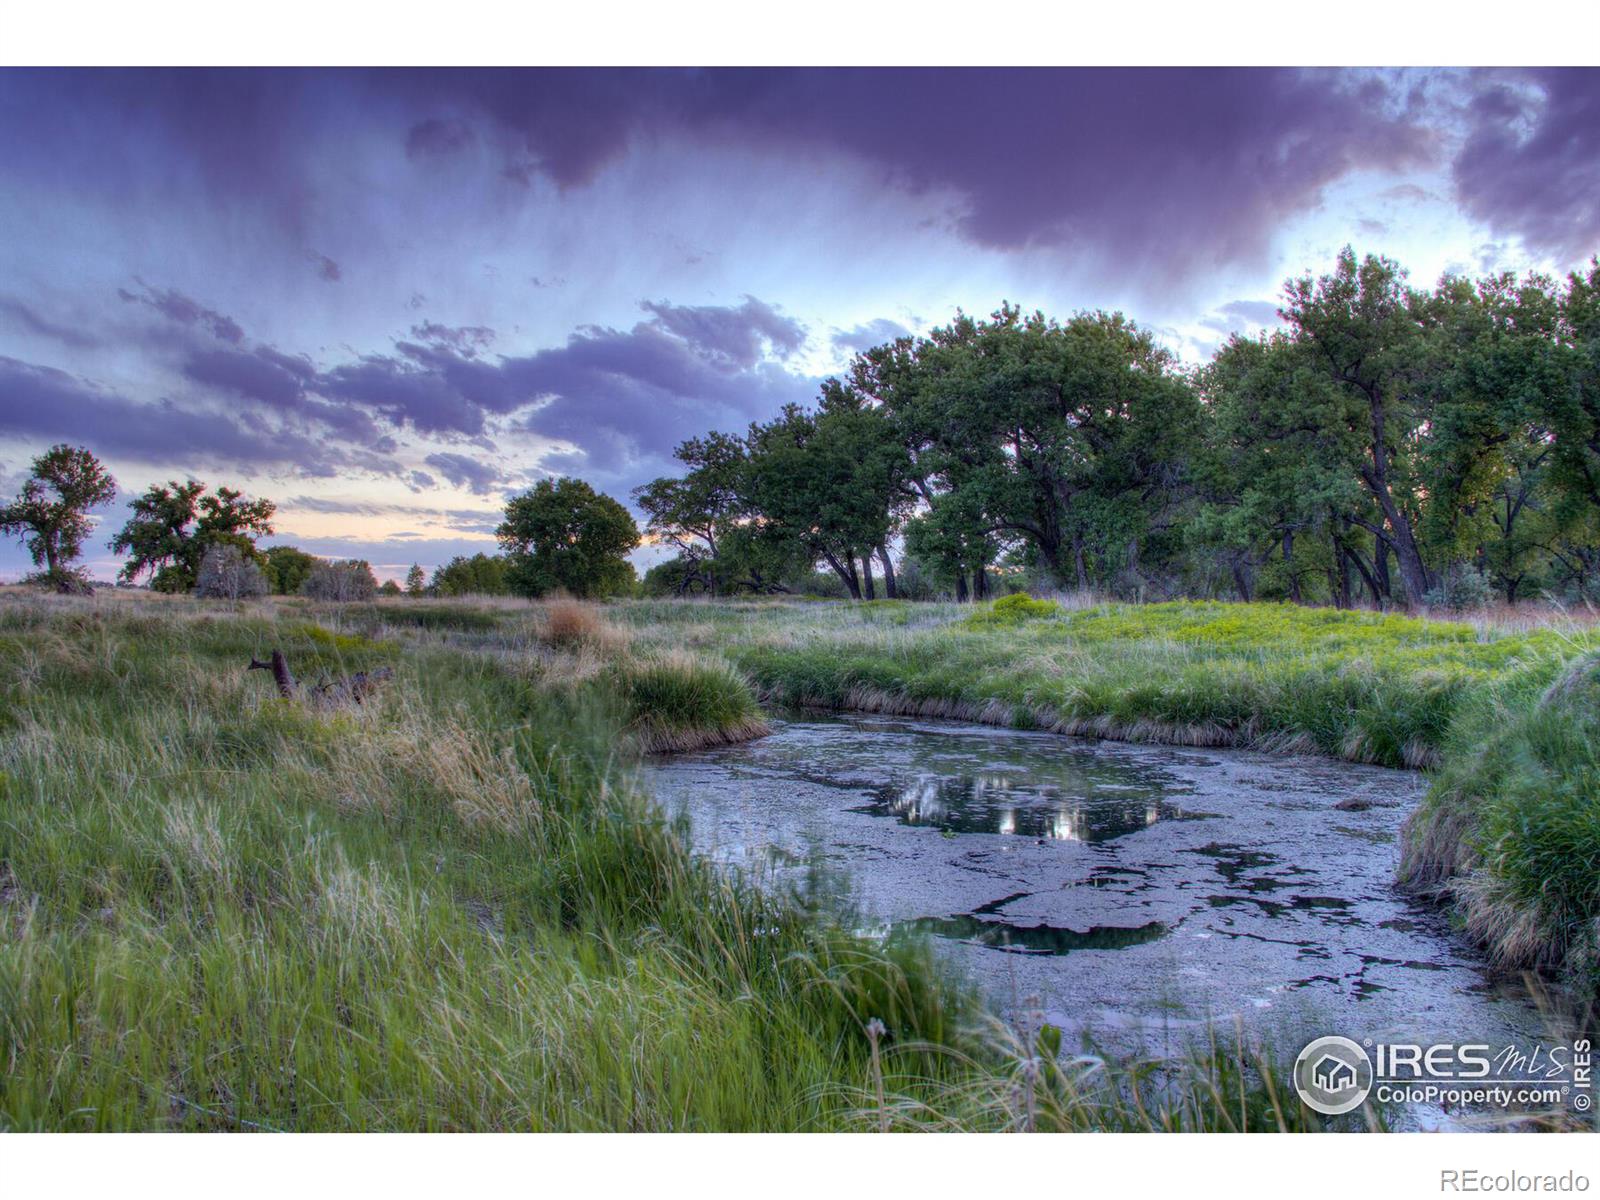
(1130, 892)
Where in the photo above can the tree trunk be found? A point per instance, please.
(1288, 566)
(980, 584)
(866, 576)
(1366, 576)
(848, 577)
(1241, 580)
(1409, 555)
(1080, 565)
(961, 587)
(890, 585)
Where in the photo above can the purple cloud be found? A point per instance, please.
(618, 395)
(435, 137)
(477, 477)
(1172, 169)
(183, 310)
(1531, 162)
(255, 376)
(738, 337)
(45, 404)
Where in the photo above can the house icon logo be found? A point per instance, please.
(1333, 1075)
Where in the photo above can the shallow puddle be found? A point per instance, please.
(1128, 891)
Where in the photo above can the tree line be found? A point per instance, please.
(183, 537)
(1388, 445)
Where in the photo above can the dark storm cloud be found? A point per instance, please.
(478, 477)
(437, 137)
(1172, 166)
(404, 393)
(184, 310)
(252, 375)
(1174, 169)
(280, 382)
(1531, 162)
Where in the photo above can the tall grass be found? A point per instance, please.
(449, 907)
(1510, 830)
(444, 909)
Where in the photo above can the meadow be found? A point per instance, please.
(450, 906)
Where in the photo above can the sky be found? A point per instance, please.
(388, 299)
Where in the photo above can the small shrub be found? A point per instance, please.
(569, 623)
(1459, 590)
(226, 574)
(340, 582)
(63, 581)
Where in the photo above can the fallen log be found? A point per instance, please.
(358, 687)
(328, 693)
(279, 666)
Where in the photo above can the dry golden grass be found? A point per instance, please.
(569, 624)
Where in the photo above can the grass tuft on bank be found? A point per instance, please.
(1510, 831)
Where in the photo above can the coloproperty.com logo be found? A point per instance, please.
(1335, 1075)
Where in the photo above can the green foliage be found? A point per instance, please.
(173, 525)
(1460, 590)
(480, 575)
(51, 514)
(1385, 439)
(286, 568)
(562, 535)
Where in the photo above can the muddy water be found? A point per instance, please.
(1132, 892)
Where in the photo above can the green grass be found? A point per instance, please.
(1510, 831)
(450, 907)
(1366, 687)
